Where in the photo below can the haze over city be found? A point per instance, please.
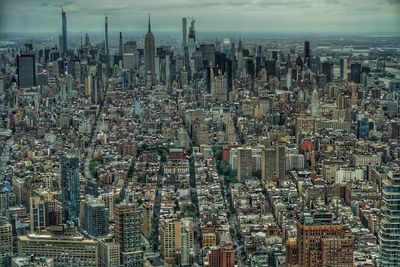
(220, 15)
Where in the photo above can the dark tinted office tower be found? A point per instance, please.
(315, 62)
(251, 68)
(307, 56)
(184, 33)
(229, 71)
(208, 54)
(355, 72)
(26, 71)
(220, 59)
(106, 35)
(270, 66)
(70, 188)
(64, 33)
(275, 55)
(258, 64)
(121, 51)
(87, 41)
(149, 55)
(327, 69)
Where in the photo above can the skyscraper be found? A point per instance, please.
(106, 36)
(192, 39)
(26, 71)
(343, 69)
(184, 33)
(64, 33)
(127, 233)
(273, 162)
(120, 50)
(315, 104)
(70, 188)
(96, 217)
(244, 164)
(149, 54)
(307, 56)
(327, 69)
(389, 232)
(355, 72)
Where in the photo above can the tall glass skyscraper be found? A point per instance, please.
(70, 188)
(389, 231)
(64, 33)
(26, 71)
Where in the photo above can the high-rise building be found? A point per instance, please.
(315, 103)
(127, 233)
(273, 162)
(222, 256)
(307, 55)
(70, 187)
(184, 33)
(107, 51)
(64, 47)
(321, 241)
(37, 214)
(389, 230)
(95, 217)
(5, 238)
(149, 56)
(26, 71)
(244, 164)
(343, 69)
(61, 243)
(327, 69)
(355, 72)
(109, 253)
(192, 39)
(120, 50)
(177, 236)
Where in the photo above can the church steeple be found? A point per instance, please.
(149, 29)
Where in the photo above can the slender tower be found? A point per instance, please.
(149, 54)
(120, 44)
(184, 33)
(106, 33)
(64, 33)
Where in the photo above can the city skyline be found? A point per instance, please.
(157, 138)
(242, 16)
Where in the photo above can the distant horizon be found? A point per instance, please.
(293, 16)
(254, 32)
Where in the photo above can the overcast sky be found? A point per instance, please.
(211, 15)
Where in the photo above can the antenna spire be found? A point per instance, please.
(149, 27)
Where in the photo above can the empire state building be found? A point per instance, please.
(149, 54)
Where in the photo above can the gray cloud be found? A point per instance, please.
(240, 15)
